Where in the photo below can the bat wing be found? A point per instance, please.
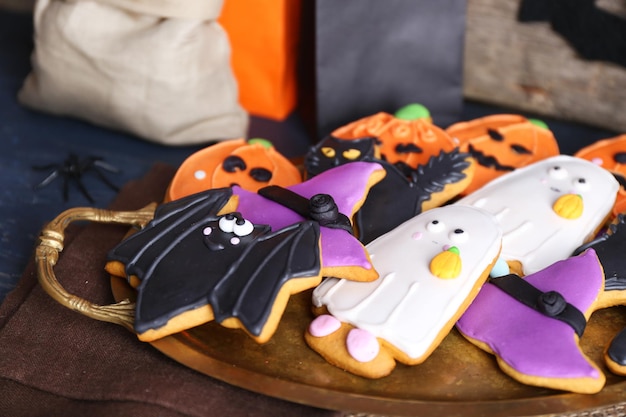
(253, 282)
(171, 221)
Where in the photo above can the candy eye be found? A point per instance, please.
(557, 172)
(458, 236)
(328, 152)
(227, 223)
(435, 226)
(581, 184)
(243, 227)
(351, 154)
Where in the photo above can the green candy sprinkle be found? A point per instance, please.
(413, 111)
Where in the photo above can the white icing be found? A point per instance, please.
(408, 306)
(522, 201)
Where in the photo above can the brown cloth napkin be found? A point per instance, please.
(57, 362)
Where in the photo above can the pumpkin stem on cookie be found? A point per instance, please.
(413, 111)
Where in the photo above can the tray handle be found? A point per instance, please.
(51, 245)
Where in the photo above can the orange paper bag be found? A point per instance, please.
(264, 38)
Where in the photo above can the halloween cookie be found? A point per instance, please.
(250, 164)
(408, 136)
(547, 209)
(403, 192)
(501, 143)
(235, 256)
(430, 267)
(610, 154)
(533, 324)
(610, 246)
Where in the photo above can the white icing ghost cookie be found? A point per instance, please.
(547, 209)
(430, 269)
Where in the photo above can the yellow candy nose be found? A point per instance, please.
(446, 264)
(569, 206)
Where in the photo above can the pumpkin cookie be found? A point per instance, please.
(408, 136)
(502, 143)
(610, 154)
(250, 164)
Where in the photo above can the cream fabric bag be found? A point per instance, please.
(159, 69)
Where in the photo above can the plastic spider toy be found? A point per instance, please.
(73, 169)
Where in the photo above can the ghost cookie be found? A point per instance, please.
(430, 268)
(533, 324)
(547, 209)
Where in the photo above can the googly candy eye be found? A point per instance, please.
(243, 227)
(435, 226)
(458, 236)
(227, 223)
(581, 184)
(557, 172)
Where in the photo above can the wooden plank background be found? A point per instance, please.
(527, 66)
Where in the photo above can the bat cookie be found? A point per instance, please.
(547, 209)
(235, 257)
(430, 267)
(533, 324)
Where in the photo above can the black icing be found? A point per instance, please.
(320, 208)
(617, 349)
(550, 303)
(620, 157)
(495, 135)
(260, 174)
(408, 148)
(179, 273)
(233, 163)
(487, 160)
(400, 195)
(315, 162)
(610, 247)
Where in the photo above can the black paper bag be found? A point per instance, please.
(379, 55)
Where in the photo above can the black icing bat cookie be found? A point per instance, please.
(197, 265)
(406, 192)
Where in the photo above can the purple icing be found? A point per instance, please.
(347, 184)
(529, 342)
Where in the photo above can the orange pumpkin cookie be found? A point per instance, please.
(251, 164)
(407, 136)
(610, 154)
(502, 143)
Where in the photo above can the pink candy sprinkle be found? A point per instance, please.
(362, 345)
(324, 325)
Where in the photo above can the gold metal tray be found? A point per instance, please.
(457, 380)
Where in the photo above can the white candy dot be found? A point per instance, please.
(207, 231)
(235, 240)
(199, 174)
